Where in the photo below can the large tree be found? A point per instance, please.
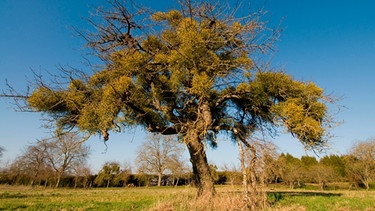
(194, 71)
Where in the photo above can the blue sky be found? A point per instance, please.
(328, 42)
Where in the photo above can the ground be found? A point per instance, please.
(181, 198)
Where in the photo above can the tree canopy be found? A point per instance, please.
(188, 72)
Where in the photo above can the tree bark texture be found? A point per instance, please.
(253, 179)
(202, 175)
(159, 179)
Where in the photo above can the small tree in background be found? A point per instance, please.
(34, 160)
(308, 161)
(337, 163)
(321, 174)
(157, 154)
(360, 163)
(292, 171)
(177, 167)
(232, 174)
(81, 176)
(66, 152)
(108, 174)
(125, 173)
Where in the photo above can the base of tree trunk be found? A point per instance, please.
(201, 170)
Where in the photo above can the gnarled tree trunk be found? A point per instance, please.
(202, 175)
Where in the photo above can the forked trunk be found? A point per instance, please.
(202, 175)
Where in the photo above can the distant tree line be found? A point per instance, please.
(61, 162)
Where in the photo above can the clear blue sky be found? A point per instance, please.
(328, 42)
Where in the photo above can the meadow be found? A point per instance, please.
(180, 198)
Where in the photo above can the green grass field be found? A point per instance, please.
(181, 198)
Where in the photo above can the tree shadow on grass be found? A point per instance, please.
(304, 193)
(275, 196)
(7, 195)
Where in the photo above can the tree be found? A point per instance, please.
(81, 175)
(337, 163)
(34, 159)
(125, 173)
(178, 168)
(64, 153)
(108, 173)
(292, 171)
(191, 72)
(260, 158)
(360, 163)
(232, 174)
(214, 172)
(32, 164)
(308, 164)
(268, 166)
(308, 161)
(158, 154)
(321, 174)
(57, 155)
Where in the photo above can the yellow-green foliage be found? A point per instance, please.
(44, 99)
(76, 95)
(162, 79)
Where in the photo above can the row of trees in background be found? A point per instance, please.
(61, 162)
(357, 167)
(48, 160)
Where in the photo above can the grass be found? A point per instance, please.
(80, 199)
(330, 200)
(181, 198)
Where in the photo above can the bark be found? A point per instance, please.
(202, 175)
(58, 181)
(75, 182)
(252, 167)
(33, 180)
(243, 168)
(322, 185)
(177, 180)
(159, 179)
